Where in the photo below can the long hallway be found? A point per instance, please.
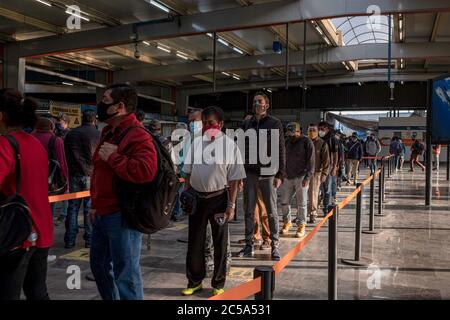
(410, 257)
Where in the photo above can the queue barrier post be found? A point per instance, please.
(332, 252)
(372, 209)
(383, 179)
(267, 275)
(358, 261)
(389, 168)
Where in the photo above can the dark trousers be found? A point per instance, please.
(25, 269)
(195, 261)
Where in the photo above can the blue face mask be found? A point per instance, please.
(59, 127)
(195, 126)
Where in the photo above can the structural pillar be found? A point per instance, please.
(13, 71)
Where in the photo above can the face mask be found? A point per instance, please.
(322, 133)
(313, 134)
(59, 127)
(102, 111)
(195, 126)
(211, 131)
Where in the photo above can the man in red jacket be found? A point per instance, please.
(116, 247)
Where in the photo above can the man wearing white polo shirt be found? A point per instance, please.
(214, 167)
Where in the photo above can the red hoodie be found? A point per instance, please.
(34, 182)
(135, 161)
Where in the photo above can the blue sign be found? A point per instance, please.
(440, 119)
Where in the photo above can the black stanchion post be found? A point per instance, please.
(383, 179)
(448, 162)
(372, 208)
(358, 261)
(389, 168)
(380, 194)
(332, 252)
(267, 275)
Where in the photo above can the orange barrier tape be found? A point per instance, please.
(69, 196)
(280, 265)
(240, 292)
(78, 195)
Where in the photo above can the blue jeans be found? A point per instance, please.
(333, 187)
(373, 165)
(327, 191)
(63, 205)
(78, 184)
(177, 211)
(115, 258)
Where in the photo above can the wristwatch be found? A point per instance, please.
(231, 205)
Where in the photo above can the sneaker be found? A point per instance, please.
(246, 252)
(266, 245)
(257, 243)
(191, 291)
(242, 241)
(51, 258)
(217, 291)
(423, 169)
(275, 254)
(410, 170)
(301, 231)
(286, 228)
(312, 219)
(89, 277)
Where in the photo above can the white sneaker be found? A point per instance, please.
(51, 258)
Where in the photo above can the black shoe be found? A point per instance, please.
(275, 254)
(69, 245)
(87, 245)
(312, 219)
(247, 252)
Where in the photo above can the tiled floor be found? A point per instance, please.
(411, 256)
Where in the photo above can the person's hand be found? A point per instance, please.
(305, 183)
(106, 150)
(91, 215)
(334, 172)
(229, 214)
(241, 185)
(277, 183)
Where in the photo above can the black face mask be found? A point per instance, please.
(102, 111)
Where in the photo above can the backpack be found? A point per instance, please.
(372, 147)
(147, 207)
(57, 182)
(420, 148)
(15, 217)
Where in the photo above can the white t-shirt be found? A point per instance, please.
(212, 164)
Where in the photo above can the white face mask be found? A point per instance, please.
(322, 133)
(195, 126)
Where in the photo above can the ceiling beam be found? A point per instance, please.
(258, 15)
(325, 56)
(434, 32)
(353, 77)
(42, 25)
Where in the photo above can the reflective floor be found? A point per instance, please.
(410, 257)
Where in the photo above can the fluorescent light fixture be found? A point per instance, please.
(319, 30)
(76, 15)
(67, 83)
(223, 42)
(402, 82)
(226, 74)
(326, 40)
(269, 90)
(159, 6)
(162, 48)
(44, 2)
(359, 84)
(238, 50)
(345, 65)
(209, 34)
(235, 76)
(400, 24)
(146, 43)
(182, 55)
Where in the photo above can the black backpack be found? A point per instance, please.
(57, 182)
(15, 218)
(148, 207)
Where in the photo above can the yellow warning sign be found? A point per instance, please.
(82, 255)
(240, 273)
(73, 111)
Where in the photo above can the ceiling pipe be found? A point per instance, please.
(90, 83)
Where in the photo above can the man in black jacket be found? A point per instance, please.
(267, 177)
(80, 144)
